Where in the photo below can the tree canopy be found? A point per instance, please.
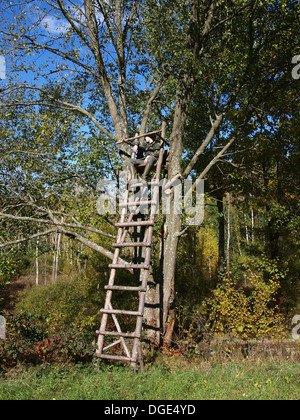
(83, 75)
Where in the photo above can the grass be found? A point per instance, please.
(169, 379)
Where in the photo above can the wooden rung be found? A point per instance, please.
(120, 312)
(140, 203)
(112, 345)
(130, 266)
(111, 357)
(141, 183)
(129, 244)
(132, 224)
(117, 334)
(126, 288)
(139, 136)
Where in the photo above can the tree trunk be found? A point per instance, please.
(246, 229)
(228, 235)
(57, 255)
(252, 225)
(54, 257)
(173, 226)
(185, 87)
(56, 251)
(173, 220)
(221, 220)
(37, 263)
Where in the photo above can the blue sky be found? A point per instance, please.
(37, 17)
(48, 25)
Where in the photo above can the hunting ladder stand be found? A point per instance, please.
(129, 213)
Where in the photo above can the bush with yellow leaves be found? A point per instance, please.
(246, 313)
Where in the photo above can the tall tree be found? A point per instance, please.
(132, 61)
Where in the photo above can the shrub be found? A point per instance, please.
(69, 346)
(68, 303)
(28, 342)
(21, 332)
(52, 323)
(246, 314)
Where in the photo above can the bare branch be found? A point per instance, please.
(73, 235)
(203, 146)
(150, 102)
(208, 22)
(92, 245)
(58, 102)
(71, 21)
(211, 164)
(58, 224)
(19, 241)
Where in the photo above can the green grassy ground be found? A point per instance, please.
(275, 380)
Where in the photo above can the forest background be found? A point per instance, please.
(80, 77)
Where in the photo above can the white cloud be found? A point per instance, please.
(2, 67)
(55, 26)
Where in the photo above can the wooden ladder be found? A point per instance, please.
(129, 344)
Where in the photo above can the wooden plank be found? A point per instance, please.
(133, 244)
(130, 266)
(112, 345)
(137, 204)
(133, 224)
(112, 357)
(126, 288)
(139, 136)
(121, 312)
(142, 183)
(117, 334)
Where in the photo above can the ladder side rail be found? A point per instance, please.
(111, 282)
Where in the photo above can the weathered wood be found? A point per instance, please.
(170, 183)
(143, 251)
(144, 183)
(126, 288)
(139, 136)
(133, 224)
(133, 244)
(115, 343)
(137, 204)
(121, 312)
(115, 357)
(118, 334)
(130, 266)
(115, 319)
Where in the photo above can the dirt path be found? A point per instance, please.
(10, 294)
